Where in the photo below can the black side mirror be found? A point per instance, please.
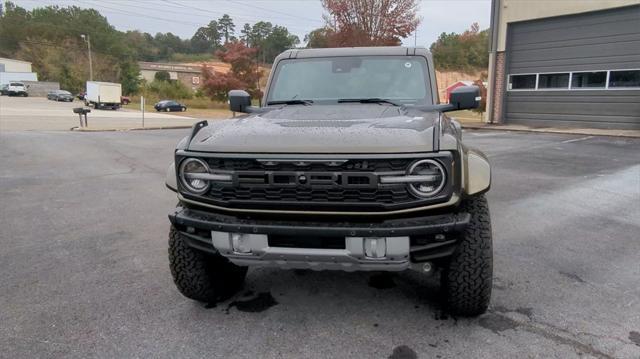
(239, 101)
(465, 97)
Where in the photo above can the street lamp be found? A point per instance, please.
(87, 39)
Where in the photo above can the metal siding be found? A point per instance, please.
(603, 40)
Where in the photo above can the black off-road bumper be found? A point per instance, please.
(432, 238)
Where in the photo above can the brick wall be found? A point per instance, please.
(499, 90)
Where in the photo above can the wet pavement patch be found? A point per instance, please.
(381, 281)
(574, 277)
(497, 323)
(259, 303)
(635, 337)
(403, 352)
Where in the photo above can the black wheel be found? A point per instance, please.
(202, 276)
(467, 278)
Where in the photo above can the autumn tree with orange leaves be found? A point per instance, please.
(369, 22)
(244, 74)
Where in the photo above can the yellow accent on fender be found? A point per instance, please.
(477, 172)
(454, 199)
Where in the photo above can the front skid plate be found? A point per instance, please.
(352, 258)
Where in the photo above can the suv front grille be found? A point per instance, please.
(309, 183)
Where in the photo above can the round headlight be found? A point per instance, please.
(191, 171)
(434, 174)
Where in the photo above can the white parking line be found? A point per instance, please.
(577, 139)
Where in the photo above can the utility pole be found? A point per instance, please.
(87, 39)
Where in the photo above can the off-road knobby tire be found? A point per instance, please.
(467, 278)
(202, 276)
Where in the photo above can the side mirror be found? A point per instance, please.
(239, 101)
(465, 97)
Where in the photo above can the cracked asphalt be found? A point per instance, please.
(84, 268)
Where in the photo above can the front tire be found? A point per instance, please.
(467, 278)
(201, 276)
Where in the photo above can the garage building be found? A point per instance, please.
(565, 63)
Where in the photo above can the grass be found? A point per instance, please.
(466, 116)
(196, 107)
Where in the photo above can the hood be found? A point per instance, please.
(343, 128)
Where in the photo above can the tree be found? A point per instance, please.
(246, 35)
(462, 52)
(206, 38)
(277, 41)
(318, 38)
(49, 37)
(226, 27)
(370, 22)
(244, 73)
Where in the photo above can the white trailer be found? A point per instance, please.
(103, 95)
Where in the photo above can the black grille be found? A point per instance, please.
(341, 185)
(306, 194)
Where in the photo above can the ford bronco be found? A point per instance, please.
(349, 164)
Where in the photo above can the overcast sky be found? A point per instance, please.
(183, 17)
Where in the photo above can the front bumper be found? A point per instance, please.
(333, 245)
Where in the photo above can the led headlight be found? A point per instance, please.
(194, 174)
(431, 175)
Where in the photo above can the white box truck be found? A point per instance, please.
(103, 95)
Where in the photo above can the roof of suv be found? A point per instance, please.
(355, 51)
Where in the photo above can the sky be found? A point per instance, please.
(184, 17)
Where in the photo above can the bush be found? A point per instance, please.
(169, 90)
(162, 76)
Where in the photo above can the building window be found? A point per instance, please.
(624, 78)
(579, 80)
(553, 81)
(596, 79)
(522, 82)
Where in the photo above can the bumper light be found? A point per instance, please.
(240, 243)
(375, 247)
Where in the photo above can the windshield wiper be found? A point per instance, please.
(369, 100)
(290, 102)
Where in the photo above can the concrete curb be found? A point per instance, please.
(570, 131)
(79, 129)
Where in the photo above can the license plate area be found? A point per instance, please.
(313, 242)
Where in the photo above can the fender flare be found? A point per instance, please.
(477, 171)
(171, 180)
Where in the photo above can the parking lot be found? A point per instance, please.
(33, 113)
(83, 235)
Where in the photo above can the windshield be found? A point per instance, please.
(16, 84)
(402, 79)
(63, 92)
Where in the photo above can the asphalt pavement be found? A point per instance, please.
(84, 268)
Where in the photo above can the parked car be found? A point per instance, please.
(4, 91)
(361, 173)
(60, 95)
(17, 89)
(169, 105)
(125, 100)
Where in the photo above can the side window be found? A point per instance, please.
(624, 78)
(596, 79)
(522, 82)
(553, 81)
